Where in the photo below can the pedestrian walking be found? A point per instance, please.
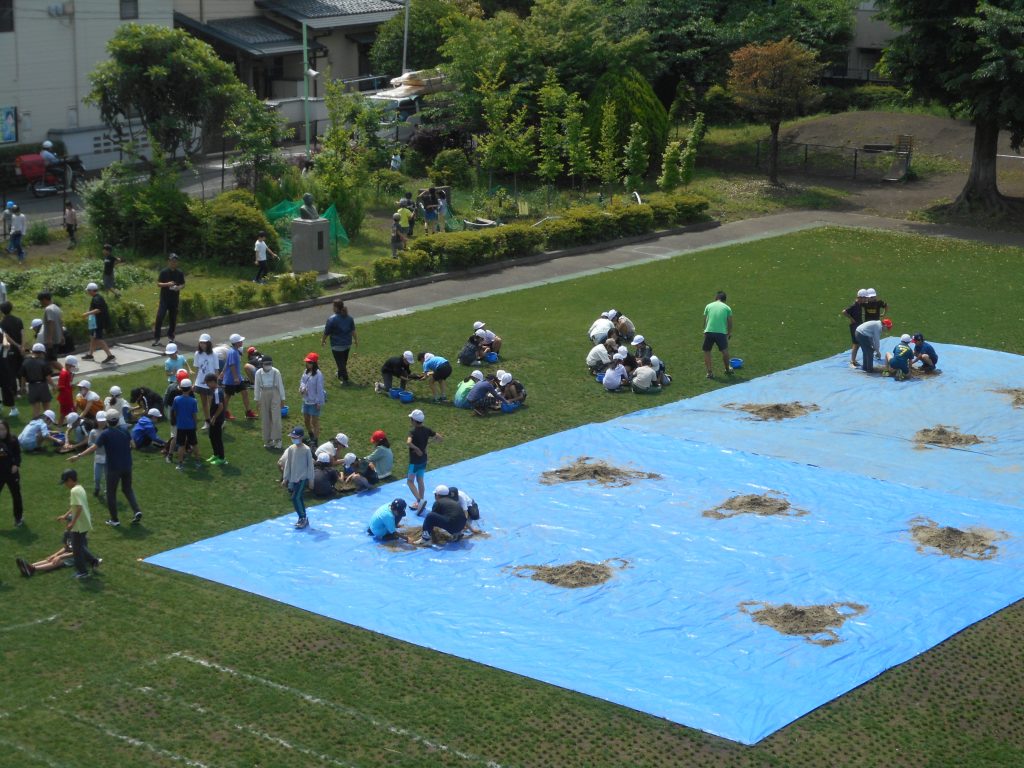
(19, 228)
(53, 328)
(36, 372)
(79, 523)
(170, 281)
(311, 389)
(10, 469)
(71, 224)
(118, 447)
(297, 472)
(261, 250)
(98, 320)
(340, 328)
(109, 260)
(269, 392)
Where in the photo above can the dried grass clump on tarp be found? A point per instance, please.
(1016, 394)
(762, 504)
(815, 623)
(774, 411)
(572, 575)
(973, 543)
(592, 470)
(441, 536)
(946, 437)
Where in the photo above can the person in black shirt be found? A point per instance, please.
(170, 281)
(446, 513)
(855, 314)
(109, 260)
(98, 317)
(395, 366)
(36, 372)
(419, 437)
(10, 355)
(10, 463)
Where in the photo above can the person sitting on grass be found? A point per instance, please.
(645, 379)
(382, 459)
(469, 507)
(445, 513)
(897, 362)
(37, 434)
(87, 402)
(642, 349)
(333, 448)
(628, 360)
(144, 433)
(624, 328)
(436, 370)
(362, 478)
(76, 433)
(491, 340)
(143, 399)
(925, 353)
(616, 377)
(512, 389)
(385, 520)
(462, 391)
(601, 329)
(118, 403)
(62, 558)
(325, 477)
(661, 375)
(484, 397)
(600, 356)
(395, 366)
(473, 351)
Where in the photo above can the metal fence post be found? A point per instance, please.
(855, 152)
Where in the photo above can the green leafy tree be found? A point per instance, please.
(635, 102)
(688, 160)
(552, 104)
(258, 132)
(576, 141)
(508, 144)
(635, 158)
(775, 82)
(968, 56)
(608, 162)
(427, 19)
(670, 177)
(165, 84)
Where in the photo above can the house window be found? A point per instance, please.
(129, 9)
(6, 15)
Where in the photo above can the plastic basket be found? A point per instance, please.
(510, 407)
(405, 396)
(491, 357)
(284, 410)
(395, 392)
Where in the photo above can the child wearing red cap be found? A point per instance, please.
(311, 388)
(381, 459)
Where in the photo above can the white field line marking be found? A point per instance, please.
(32, 753)
(308, 697)
(44, 620)
(168, 699)
(132, 740)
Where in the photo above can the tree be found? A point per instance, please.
(635, 102)
(165, 84)
(670, 177)
(258, 132)
(552, 103)
(427, 20)
(576, 140)
(635, 158)
(508, 143)
(688, 160)
(774, 82)
(608, 148)
(969, 56)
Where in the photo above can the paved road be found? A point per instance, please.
(286, 324)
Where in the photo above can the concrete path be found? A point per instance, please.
(286, 324)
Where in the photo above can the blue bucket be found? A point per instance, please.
(599, 378)
(736, 362)
(395, 392)
(284, 410)
(510, 407)
(491, 357)
(404, 396)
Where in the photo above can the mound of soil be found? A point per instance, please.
(814, 622)
(1016, 394)
(774, 411)
(595, 472)
(973, 543)
(761, 504)
(572, 575)
(946, 437)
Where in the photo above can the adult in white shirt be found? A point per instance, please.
(261, 249)
(19, 227)
(269, 392)
(599, 357)
(600, 329)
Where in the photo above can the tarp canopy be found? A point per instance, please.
(281, 215)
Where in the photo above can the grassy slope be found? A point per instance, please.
(109, 680)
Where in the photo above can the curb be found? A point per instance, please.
(358, 293)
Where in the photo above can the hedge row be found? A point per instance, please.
(577, 226)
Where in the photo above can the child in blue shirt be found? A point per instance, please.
(384, 523)
(898, 361)
(925, 353)
(184, 410)
(174, 362)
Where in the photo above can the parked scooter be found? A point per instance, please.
(43, 182)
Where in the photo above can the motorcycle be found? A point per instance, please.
(42, 181)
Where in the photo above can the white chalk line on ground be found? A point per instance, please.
(131, 740)
(206, 712)
(27, 624)
(310, 698)
(32, 753)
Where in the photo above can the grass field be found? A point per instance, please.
(141, 666)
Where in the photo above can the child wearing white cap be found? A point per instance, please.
(897, 362)
(175, 361)
(400, 366)
(99, 458)
(460, 400)
(445, 513)
(419, 437)
(616, 376)
(35, 370)
(98, 320)
(205, 362)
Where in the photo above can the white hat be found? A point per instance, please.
(171, 349)
(154, 413)
(112, 415)
(349, 458)
(655, 361)
(906, 338)
(408, 356)
(71, 360)
(115, 391)
(185, 384)
(619, 356)
(862, 293)
(499, 373)
(428, 356)
(92, 287)
(93, 397)
(101, 417)
(638, 339)
(204, 337)
(612, 314)
(417, 415)
(441, 490)
(870, 293)
(50, 415)
(323, 458)
(506, 379)
(622, 351)
(478, 325)
(37, 347)
(47, 144)
(477, 375)
(481, 333)
(342, 438)
(36, 323)
(236, 338)
(604, 315)
(71, 418)
(84, 383)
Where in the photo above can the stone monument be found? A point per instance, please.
(311, 239)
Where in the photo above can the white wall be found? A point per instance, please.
(211, 10)
(45, 63)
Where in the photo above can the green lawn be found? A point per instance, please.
(143, 667)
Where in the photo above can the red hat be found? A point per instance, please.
(181, 374)
(887, 322)
(251, 351)
(377, 436)
(312, 357)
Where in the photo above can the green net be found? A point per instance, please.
(281, 215)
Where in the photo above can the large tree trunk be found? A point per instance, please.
(981, 192)
(773, 155)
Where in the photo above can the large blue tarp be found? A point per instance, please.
(666, 635)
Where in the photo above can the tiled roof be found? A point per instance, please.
(319, 9)
(253, 31)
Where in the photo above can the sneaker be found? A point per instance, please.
(900, 376)
(378, 386)
(423, 540)
(303, 522)
(206, 426)
(167, 458)
(109, 359)
(709, 376)
(197, 464)
(180, 467)
(467, 533)
(853, 364)
(97, 564)
(229, 416)
(19, 522)
(442, 399)
(82, 575)
(728, 371)
(113, 523)
(212, 460)
(13, 413)
(251, 415)
(220, 462)
(24, 567)
(456, 537)
(156, 343)
(96, 493)
(87, 357)
(137, 518)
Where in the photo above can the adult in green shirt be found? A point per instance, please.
(79, 523)
(717, 332)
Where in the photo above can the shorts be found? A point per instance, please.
(187, 438)
(310, 409)
(443, 371)
(417, 470)
(899, 364)
(108, 282)
(234, 389)
(96, 333)
(431, 215)
(39, 392)
(720, 340)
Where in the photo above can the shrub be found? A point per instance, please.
(414, 163)
(387, 185)
(360, 277)
(38, 234)
(229, 225)
(292, 287)
(386, 270)
(451, 169)
(128, 316)
(194, 307)
(635, 102)
(415, 263)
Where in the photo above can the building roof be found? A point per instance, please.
(255, 35)
(332, 14)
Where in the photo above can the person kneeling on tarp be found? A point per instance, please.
(898, 361)
(925, 353)
(384, 523)
(470, 507)
(446, 513)
(645, 379)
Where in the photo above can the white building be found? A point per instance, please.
(47, 51)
